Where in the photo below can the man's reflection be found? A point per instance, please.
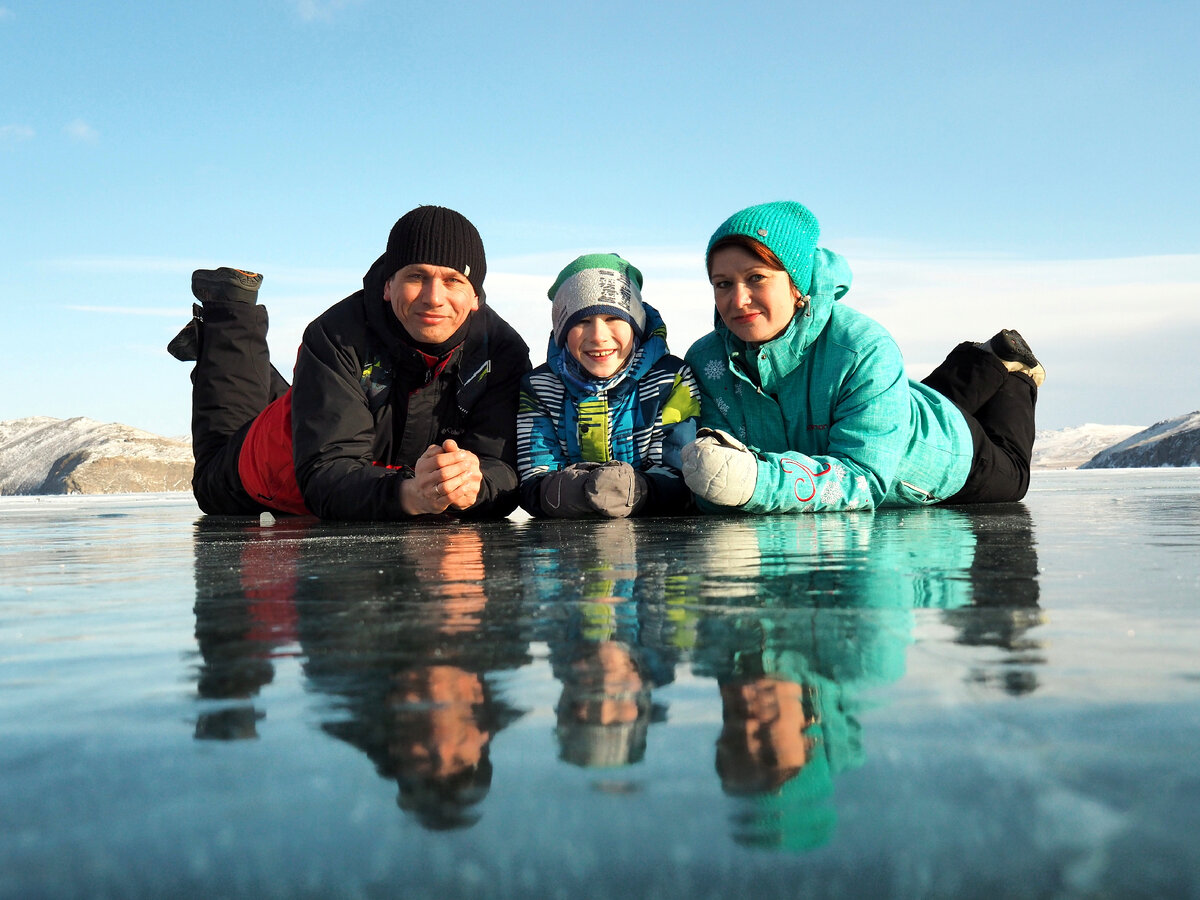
(441, 720)
(245, 617)
(397, 631)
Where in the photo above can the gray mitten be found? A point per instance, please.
(562, 492)
(719, 468)
(615, 490)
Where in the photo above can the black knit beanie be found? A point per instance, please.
(436, 236)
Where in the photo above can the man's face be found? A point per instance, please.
(431, 302)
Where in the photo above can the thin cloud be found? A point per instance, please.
(925, 297)
(124, 311)
(157, 265)
(321, 10)
(917, 297)
(81, 132)
(1125, 325)
(15, 134)
(134, 265)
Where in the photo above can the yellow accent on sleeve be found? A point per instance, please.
(681, 405)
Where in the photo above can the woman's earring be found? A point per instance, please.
(802, 301)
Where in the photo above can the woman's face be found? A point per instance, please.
(755, 301)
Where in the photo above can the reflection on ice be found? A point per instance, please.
(911, 702)
(796, 620)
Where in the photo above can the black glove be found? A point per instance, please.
(562, 492)
(585, 490)
(615, 490)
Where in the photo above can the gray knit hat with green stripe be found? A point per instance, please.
(785, 228)
(596, 284)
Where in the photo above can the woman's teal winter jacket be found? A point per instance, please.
(834, 420)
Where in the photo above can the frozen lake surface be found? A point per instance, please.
(977, 702)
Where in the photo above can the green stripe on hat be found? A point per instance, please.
(596, 284)
(596, 261)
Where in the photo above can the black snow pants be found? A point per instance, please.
(233, 381)
(998, 406)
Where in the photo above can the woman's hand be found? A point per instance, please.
(719, 468)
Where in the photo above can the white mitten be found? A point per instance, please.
(719, 468)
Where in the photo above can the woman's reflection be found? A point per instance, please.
(802, 620)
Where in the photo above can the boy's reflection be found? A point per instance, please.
(607, 619)
(397, 630)
(604, 710)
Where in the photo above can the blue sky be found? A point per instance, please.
(981, 165)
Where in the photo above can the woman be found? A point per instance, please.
(805, 406)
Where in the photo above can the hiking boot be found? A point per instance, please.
(1014, 352)
(185, 346)
(225, 285)
(1011, 347)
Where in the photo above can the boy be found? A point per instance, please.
(601, 422)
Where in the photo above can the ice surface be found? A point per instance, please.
(975, 702)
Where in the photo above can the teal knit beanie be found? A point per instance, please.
(785, 228)
(596, 284)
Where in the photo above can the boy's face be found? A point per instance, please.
(601, 344)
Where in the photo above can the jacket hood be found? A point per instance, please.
(650, 349)
(831, 279)
(381, 319)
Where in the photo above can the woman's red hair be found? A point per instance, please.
(755, 248)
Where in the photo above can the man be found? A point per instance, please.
(404, 399)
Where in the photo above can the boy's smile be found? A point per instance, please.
(601, 344)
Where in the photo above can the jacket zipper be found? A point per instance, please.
(912, 487)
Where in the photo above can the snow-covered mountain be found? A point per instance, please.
(42, 455)
(1070, 448)
(1175, 442)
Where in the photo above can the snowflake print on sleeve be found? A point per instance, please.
(831, 488)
